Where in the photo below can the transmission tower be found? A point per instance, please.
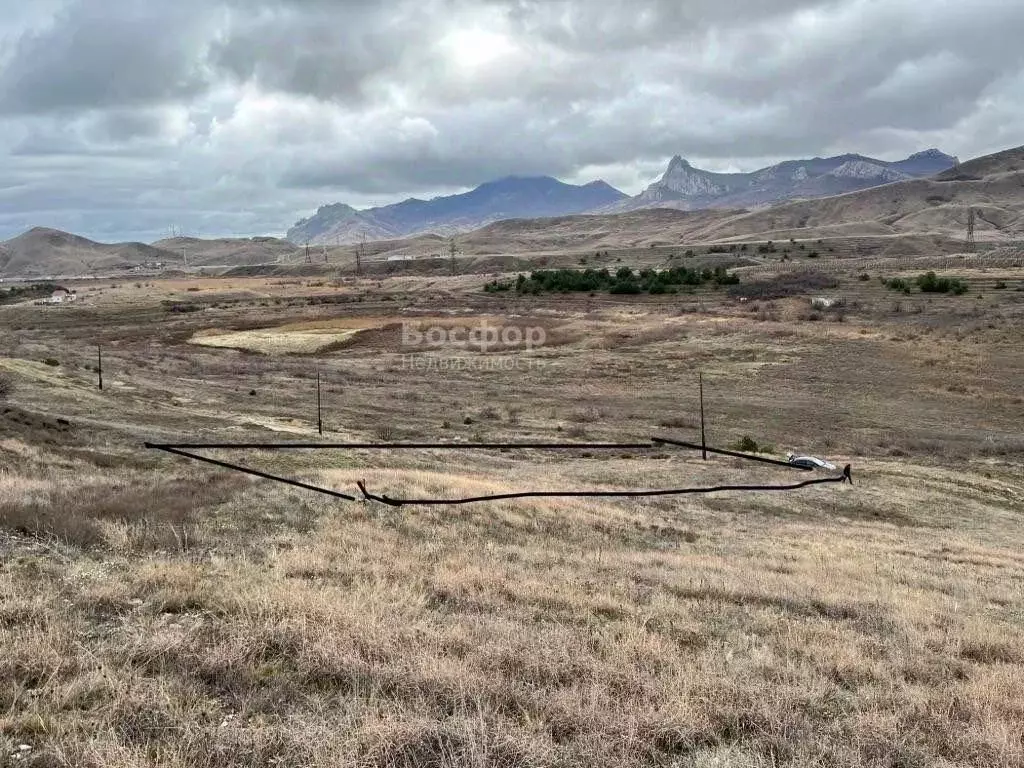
(971, 217)
(359, 255)
(452, 251)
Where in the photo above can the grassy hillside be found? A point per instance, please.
(157, 612)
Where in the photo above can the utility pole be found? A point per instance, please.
(971, 217)
(99, 364)
(452, 251)
(307, 251)
(319, 411)
(359, 255)
(703, 437)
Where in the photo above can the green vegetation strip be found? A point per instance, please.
(929, 282)
(622, 281)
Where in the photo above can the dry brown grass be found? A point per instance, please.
(153, 613)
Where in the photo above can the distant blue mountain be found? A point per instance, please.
(688, 188)
(513, 197)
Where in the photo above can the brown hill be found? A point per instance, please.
(992, 185)
(1007, 161)
(242, 251)
(652, 226)
(44, 252)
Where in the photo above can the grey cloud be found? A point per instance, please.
(97, 54)
(241, 115)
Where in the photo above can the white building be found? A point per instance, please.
(62, 296)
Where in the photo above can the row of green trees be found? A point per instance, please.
(623, 280)
(929, 282)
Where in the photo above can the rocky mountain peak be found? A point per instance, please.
(928, 154)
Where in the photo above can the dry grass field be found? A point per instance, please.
(158, 612)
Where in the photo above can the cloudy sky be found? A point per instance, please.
(120, 119)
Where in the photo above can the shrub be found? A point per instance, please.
(6, 387)
(678, 422)
(812, 255)
(625, 286)
(584, 416)
(864, 277)
(576, 430)
(51, 361)
(929, 282)
(173, 306)
(746, 444)
(897, 284)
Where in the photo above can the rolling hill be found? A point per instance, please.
(42, 252)
(241, 251)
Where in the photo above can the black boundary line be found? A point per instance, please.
(401, 446)
(178, 449)
(845, 477)
(734, 454)
(256, 472)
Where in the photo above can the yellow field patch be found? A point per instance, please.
(275, 341)
(311, 336)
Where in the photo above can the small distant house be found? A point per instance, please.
(823, 302)
(62, 296)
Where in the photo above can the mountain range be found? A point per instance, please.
(688, 188)
(918, 215)
(510, 198)
(682, 186)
